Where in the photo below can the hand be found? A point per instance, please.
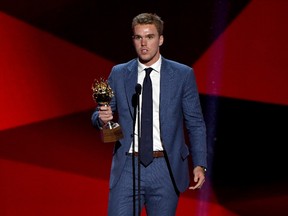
(199, 177)
(105, 114)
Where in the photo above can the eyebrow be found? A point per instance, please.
(148, 35)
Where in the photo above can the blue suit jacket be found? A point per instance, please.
(179, 100)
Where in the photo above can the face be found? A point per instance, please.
(147, 42)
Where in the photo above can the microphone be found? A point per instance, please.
(135, 97)
(138, 89)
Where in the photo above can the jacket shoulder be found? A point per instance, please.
(125, 65)
(176, 67)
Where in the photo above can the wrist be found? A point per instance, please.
(204, 168)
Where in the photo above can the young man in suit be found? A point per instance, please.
(175, 104)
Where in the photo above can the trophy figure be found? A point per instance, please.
(102, 95)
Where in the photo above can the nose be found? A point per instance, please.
(143, 41)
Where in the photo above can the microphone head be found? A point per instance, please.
(138, 88)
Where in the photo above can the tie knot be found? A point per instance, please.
(148, 70)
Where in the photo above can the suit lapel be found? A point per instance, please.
(166, 81)
(130, 83)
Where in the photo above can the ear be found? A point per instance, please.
(161, 40)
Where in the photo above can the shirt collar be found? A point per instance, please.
(156, 66)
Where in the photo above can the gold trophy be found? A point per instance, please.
(102, 95)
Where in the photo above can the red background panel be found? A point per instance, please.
(42, 76)
(249, 60)
(32, 190)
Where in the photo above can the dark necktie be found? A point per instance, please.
(146, 141)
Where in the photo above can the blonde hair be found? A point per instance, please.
(149, 18)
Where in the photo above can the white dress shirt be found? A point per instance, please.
(155, 78)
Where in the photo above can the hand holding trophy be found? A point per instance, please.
(102, 95)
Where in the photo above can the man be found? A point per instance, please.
(175, 105)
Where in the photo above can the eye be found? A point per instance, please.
(150, 36)
(137, 37)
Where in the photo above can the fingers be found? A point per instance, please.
(104, 109)
(105, 113)
(194, 187)
(199, 179)
(198, 185)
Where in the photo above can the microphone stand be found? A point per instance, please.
(133, 158)
(138, 92)
(139, 137)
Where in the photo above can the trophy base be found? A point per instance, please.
(112, 134)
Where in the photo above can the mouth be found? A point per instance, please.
(144, 51)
